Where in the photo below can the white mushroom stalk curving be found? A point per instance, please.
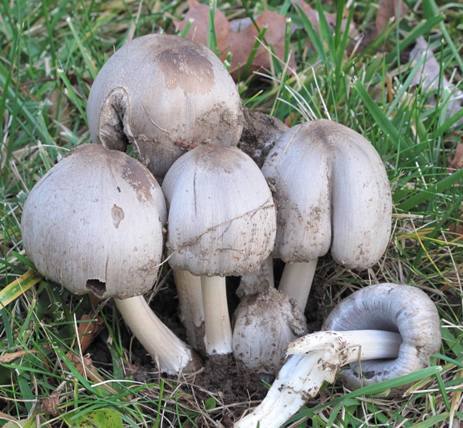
(229, 229)
(383, 331)
(165, 95)
(315, 359)
(332, 192)
(94, 224)
(171, 355)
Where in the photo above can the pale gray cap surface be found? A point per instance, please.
(331, 191)
(165, 95)
(93, 223)
(391, 307)
(221, 215)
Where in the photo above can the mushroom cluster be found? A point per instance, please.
(98, 222)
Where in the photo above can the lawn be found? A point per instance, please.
(51, 51)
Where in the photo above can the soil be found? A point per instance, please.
(233, 382)
(228, 380)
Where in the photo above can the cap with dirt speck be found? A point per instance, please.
(94, 223)
(332, 193)
(221, 222)
(165, 95)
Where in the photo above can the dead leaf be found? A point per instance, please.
(198, 15)
(9, 357)
(388, 9)
(429, 78)
(88, 331)
(457, 161)
(50, 404)
(457, 229)
(242, 39)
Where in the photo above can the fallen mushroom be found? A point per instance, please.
(93, 223)
(265, 322)
(165, 95)
(384, 331)
(230, 228)
(332, 191)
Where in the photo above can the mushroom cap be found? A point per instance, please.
(391, 307)
(222, 217)
(166, 95)
(265, 324)
(331, 190)
(93, 223)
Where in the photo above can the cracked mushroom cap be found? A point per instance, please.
(331, 191)
(391, 307)
(165, 95)
(93, 223)
(221, 212)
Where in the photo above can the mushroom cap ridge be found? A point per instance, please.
(93, 223)
(391, 307)
(166, 95)
(222, 217)
(332, 192)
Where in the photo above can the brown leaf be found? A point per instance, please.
(88, 331)
(198, 15)
(9, 357)
(242, 39)
(388, 9)
(457, 161)
(50, 404)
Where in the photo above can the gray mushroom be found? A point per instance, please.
(391, 329)
(398, 308)
(332, 192)
(93, 223)
(165, 95)
(265, 324)
(221, 222)
(265, 321)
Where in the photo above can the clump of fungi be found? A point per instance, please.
(96, 222)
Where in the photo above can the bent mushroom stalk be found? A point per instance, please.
(391, 329)
(332, 192)
(93, 223)
(165, 95)
(230, 229)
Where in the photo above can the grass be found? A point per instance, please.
(50, 51)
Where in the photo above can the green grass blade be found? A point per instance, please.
(429, 193)
(18, 287)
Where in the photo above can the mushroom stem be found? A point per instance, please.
(257, 282)
(191, 306)
(171, 354)
(317, 358)
(296, 281)
(218, 333)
